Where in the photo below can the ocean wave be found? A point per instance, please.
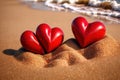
(93, 8)
(96, 3)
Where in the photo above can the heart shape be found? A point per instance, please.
(29, 42)
(49, 38)
(45, 39)
(87, 33)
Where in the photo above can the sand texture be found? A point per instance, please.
(99, 61)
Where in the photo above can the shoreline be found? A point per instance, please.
(96, 12)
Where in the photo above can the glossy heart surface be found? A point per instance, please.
(87, 33)
(49, 38)
(30, 42)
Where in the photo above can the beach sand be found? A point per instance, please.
(99, 61)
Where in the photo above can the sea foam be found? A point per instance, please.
(91, 10)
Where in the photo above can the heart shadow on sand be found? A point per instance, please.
(14, 52)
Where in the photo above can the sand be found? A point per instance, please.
(99, 61)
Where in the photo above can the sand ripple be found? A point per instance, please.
(69, 53)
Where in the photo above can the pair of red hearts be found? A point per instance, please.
(47, 39)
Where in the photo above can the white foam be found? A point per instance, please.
(90, 11)
(53, 6)
(94, 3)
(115, 5)
(29, 0)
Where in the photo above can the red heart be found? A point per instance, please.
(30, 42)
(49, 38)
(87, 33)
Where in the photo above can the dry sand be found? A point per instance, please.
(99, 61)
